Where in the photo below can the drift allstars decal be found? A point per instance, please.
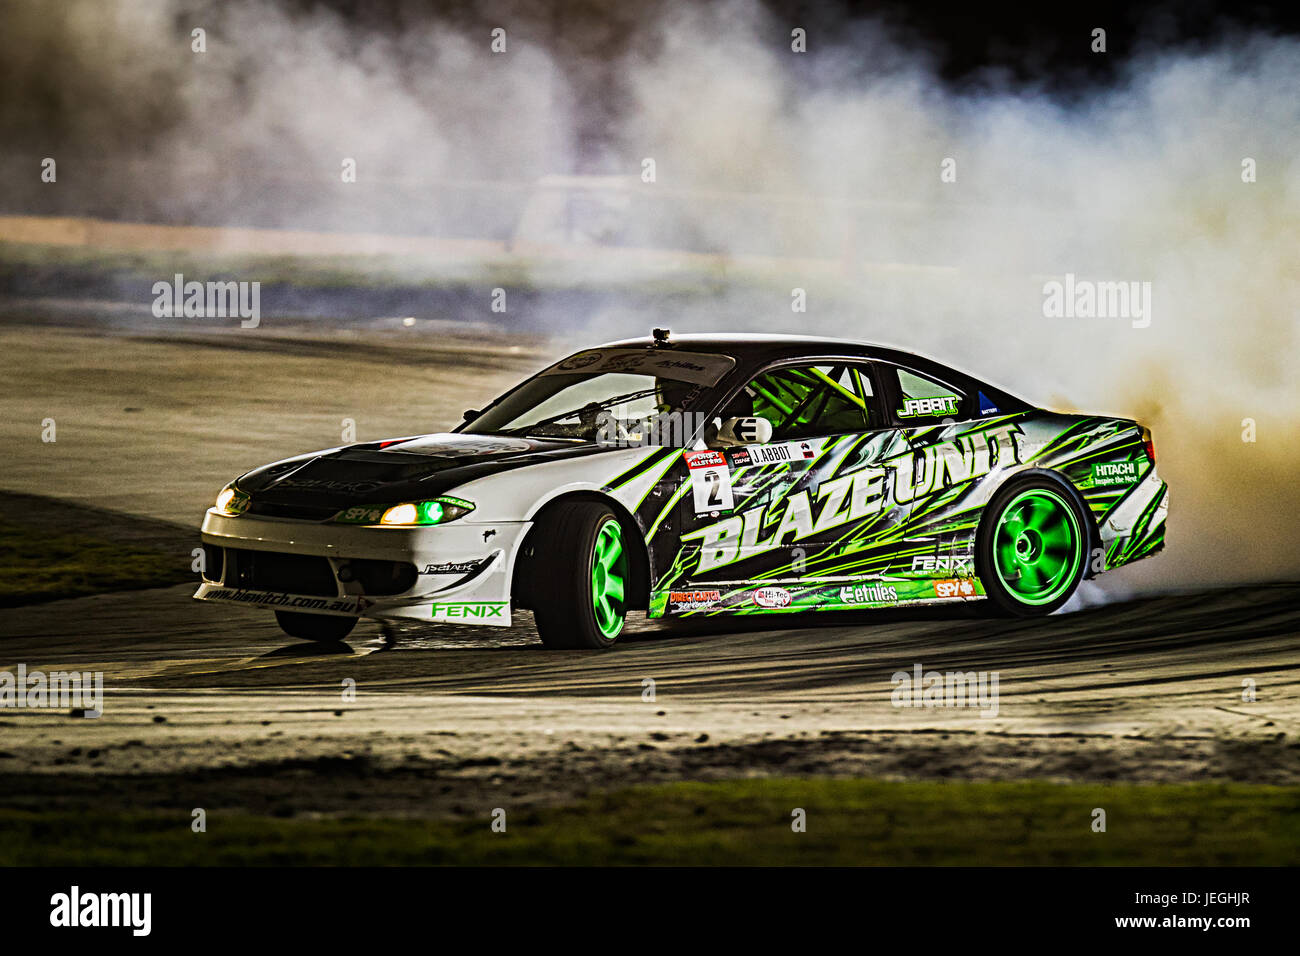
(858, 495)
(710, 481)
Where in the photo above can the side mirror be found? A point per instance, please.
(471, 414)
(744, 431)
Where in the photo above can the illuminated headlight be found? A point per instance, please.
(438, 510)
(232, 502)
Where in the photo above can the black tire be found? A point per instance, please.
(562, 570)
(1008, 583)
(325, 628)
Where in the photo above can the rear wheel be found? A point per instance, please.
(326, 628)
(1032, 548)
(580, 576)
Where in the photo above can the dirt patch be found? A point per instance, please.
(452, 785)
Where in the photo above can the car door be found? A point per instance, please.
(801, 517)
(949, 449)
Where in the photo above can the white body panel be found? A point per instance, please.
(489, 539)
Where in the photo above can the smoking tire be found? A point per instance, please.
(1032, 548)
(581, 578)
(325, 628)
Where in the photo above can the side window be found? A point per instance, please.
(926, 401)
(810, 401)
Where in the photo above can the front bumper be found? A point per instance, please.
(460, 571)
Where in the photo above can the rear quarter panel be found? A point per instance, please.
(1103, 459)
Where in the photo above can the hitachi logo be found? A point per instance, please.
(859, 495)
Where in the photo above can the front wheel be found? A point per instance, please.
(325, 628)
(1032, 548)
(581, 576)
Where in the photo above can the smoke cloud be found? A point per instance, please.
(819, 170)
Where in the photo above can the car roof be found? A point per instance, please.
(752, 350)
(763, 346)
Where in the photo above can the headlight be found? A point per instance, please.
(438, 510)
(232, 502)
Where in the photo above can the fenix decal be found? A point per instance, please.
(961, 564)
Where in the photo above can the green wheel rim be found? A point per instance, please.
(1037, 547)
(607, 570)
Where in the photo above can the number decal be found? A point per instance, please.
(714, 483)
(710, 481)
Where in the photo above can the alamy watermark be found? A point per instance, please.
(208, 300)
(667, 429)
(57, 689)
(1086, 299)
(946, 689)
(133, 911)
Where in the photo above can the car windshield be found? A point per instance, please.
(612, 396)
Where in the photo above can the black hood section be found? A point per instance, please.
(317, 486)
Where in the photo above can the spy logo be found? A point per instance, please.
(954, 587)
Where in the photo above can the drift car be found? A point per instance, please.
(691, 477)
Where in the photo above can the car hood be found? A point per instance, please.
(385, 472)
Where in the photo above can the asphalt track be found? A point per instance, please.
(453, 720)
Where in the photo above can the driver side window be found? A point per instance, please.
(811, 401)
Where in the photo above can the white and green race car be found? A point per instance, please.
(689, 477)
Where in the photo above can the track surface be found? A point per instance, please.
(198, 701)
(210, 704)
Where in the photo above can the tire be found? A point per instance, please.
(580, 576)
(1033, 547)
(325, 628)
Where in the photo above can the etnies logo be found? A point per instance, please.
(73, 909)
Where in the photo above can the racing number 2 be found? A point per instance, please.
(710, 481)
(714, 484)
